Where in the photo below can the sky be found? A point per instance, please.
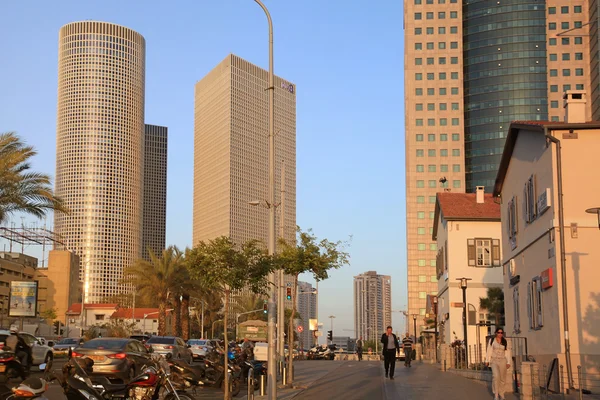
(346, 59)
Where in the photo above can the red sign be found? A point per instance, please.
(299, 328)
(547, 278)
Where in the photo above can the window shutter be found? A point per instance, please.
(495, 252)
(471, 254)
(539, 305)
(516, 319)
(526, 215)
(446, 256)
(534, 195)
(516, 221)
(529, 308)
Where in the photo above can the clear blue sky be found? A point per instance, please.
(346, 58)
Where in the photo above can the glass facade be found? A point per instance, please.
(504, 49)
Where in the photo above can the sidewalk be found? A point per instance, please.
(424, 381)
(306, 373)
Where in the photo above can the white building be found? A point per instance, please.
(306, 304)
(468, 233)
(372, 304)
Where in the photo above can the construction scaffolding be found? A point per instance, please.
(32, 236)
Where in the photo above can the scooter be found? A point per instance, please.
(11, 367)
(33, 388)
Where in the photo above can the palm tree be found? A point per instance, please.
(494, 304)
(21, 190)
(247, 302)
(158, 279)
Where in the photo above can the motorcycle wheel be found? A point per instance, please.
(236, 387)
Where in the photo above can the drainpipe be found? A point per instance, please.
(563, 259)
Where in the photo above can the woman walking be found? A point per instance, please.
(498, 356)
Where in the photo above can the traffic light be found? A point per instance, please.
(330, 336)
(289, 293)
(265, 307)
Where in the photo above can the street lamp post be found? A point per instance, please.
(415, 326)
(435, 319)
(272, 377)
(331, 317)
(463, 286)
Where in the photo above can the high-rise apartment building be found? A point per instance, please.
(155, 190)
(231, 148)
(306, 305)
(372, 304)
(100, 152)
(470, 69)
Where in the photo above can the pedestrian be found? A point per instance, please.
(359, 348)
(391, 346)
(407, 346)
(498, 356)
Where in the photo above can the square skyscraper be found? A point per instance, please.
(231, 148)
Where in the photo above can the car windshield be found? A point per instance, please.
(161, 340)
(68, 341)
(197, 342)
(101, 344)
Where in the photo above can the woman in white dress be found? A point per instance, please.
(499, 358)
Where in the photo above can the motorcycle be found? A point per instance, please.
(208, 374)
(11, 367)
(153, 383)
(33, 388)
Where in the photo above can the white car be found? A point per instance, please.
(41, 353)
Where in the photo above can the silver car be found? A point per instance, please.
(200, 347)
(170, 344)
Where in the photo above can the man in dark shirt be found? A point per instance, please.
(359, 348)
(407, 346)
(391, 346)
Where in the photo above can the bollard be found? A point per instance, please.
(284, 376)
(444, 365)
(580, 382)
(545, 371)
(262, 385)
(251, 384)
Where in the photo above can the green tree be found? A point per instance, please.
(20, 189)
(310, 255)
(49, 315)
(157, 279)
(494, 304)
(220, 265)
(211, 303)
(119, 328)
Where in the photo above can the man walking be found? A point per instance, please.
(407, 346)
(391, 346)
(359, 348)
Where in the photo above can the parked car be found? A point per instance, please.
(40, 353)
(66, 345)
(199, 347)
(141, 338)
(169, 344)
(114, 358)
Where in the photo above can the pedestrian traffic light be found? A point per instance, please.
(265, 308)
(289, 293)
(330, 335)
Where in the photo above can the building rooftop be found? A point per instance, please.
(75, 308)
(536, 126)
(139, 313)
(464, 207)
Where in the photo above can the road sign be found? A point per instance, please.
(318, 333)
(458, 305)
(299, 328)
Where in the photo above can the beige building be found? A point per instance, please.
(528, 187)
(155, 190)
(433, 98)
(467, 230)
(60, 282)
(231, 165)
(372, 305)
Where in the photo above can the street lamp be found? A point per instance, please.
(463, 286)
(595, 210)
(415, 326)
(435, 311)
(331, 317)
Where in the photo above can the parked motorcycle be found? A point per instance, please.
(11, 367)
(33, 388)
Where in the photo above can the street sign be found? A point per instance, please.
(299, 328)
(318, 333)
(458, 305)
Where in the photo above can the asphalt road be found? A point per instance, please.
(352, 380)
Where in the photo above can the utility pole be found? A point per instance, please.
(281, 297)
